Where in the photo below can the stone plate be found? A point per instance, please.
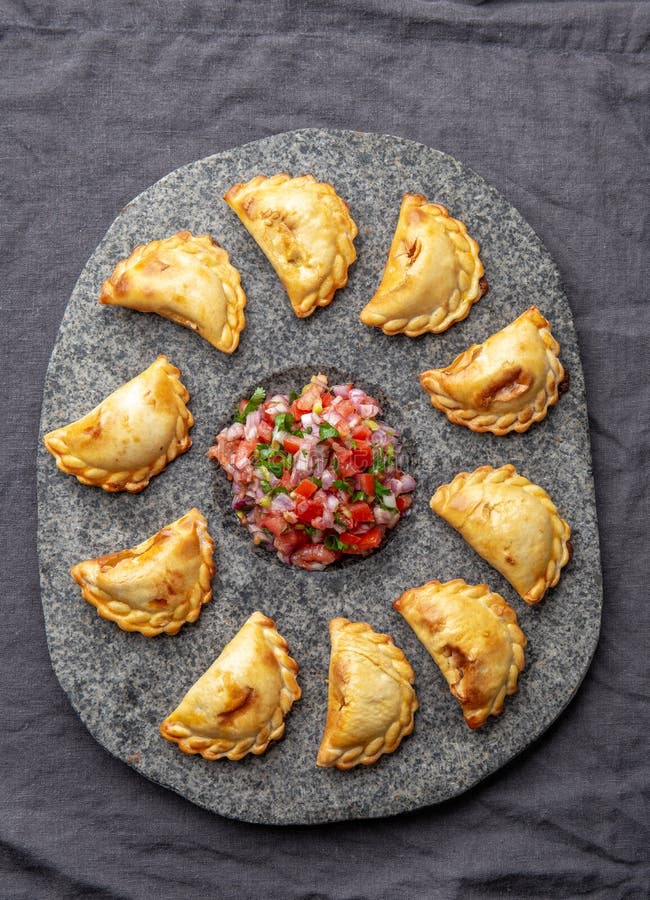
(122, 685)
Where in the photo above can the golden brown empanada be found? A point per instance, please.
(433, 274)
(512, 523)
(473, 636)
(131, 436)
(157, 586)
(186, 278)
(371, 701)
(305, 231)
(238, 705)
(504, 384)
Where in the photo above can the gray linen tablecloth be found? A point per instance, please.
(549, 102)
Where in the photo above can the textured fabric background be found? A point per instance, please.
(546, 100)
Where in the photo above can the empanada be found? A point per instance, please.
(473, 636)
(305, 231)
(157, 586)
(186, 278)
(371, 701)
(433, 274)
(512, 523)
(504, 384)
(238, 705)
(131, 436)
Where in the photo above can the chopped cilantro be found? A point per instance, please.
(257, 397)
(334, 542)
(352, 444)
(316, 481)
(293, 395)
(335, 463)
(380, 489)
(308, 430)
(342, 485)
(284, 421)
(358, 495)
(325, 431)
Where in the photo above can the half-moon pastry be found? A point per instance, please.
(238, 705)
(157, 586)
(473, 636)
(305, 231)
(504, 384)
(131, 436)
(186, 278)
(433, 274)
(512, 523)
(371, 701)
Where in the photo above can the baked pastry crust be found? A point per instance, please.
(504, 384)
(239, 704)
(305, 231)
(433, 275)
(371, 702)
(157, 586)
(186, 278)
(473, 636)
(131, 435)
(512, 523)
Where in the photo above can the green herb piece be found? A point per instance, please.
(335, 463)
(342, 485)
(316, 481)
(308, 430)
(334, 542)
(283, 421)
(380, 489)
(357, 496)
(293, 395)
(325, 431)
(257, 397)
(352, 444)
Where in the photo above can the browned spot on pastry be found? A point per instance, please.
(508, 384)
(563, 386)
(245, 698)
(483, 285)
(94, 430)
(158, 603)
(569, 546)
(509, 559)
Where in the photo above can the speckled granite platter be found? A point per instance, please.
(122, 685)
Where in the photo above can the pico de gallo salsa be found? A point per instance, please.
(315, 474)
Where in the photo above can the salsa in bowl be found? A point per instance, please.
(315, 473)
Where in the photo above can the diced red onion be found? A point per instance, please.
(253, 420)
(327, 479)
(341, 390)
(368, 410)
(386, 517)
(282, 503)
(332, 502)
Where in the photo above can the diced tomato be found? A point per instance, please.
(312, 556)
(361, 543)
(306, 488)
(244, 451)
(326, 399)
(366, 483)
(268, 418)
(361, 433)
(275, 524)
(307, 510)
(362, 455)
(404, 501)
(289, 541)
(291, 444)
(361, 512)
(345, 407)
(265, 431)
(241, 406)
(346, 465)
(285, 481)
(343, 428)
